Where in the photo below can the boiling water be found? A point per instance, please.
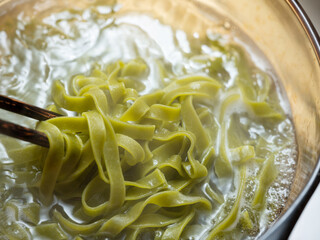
(38, 47)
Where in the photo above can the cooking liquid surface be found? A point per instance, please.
(37, 49)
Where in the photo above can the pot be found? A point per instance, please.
(284, 34)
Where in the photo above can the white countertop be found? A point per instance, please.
(308, 225)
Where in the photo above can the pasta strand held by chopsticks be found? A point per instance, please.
(137, 162)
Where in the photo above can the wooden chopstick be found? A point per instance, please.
(20, 132)
(23, 133)
(25, 109)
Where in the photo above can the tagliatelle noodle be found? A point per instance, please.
(134, 160)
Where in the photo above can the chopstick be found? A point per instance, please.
(23, 133)
(20, 132)
(26, 109)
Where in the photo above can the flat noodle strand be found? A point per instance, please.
(136, 163)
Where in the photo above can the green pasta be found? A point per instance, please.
(112, 204)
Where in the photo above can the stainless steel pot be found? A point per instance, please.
(284, 33)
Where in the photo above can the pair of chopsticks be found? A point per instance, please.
(20, 132)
